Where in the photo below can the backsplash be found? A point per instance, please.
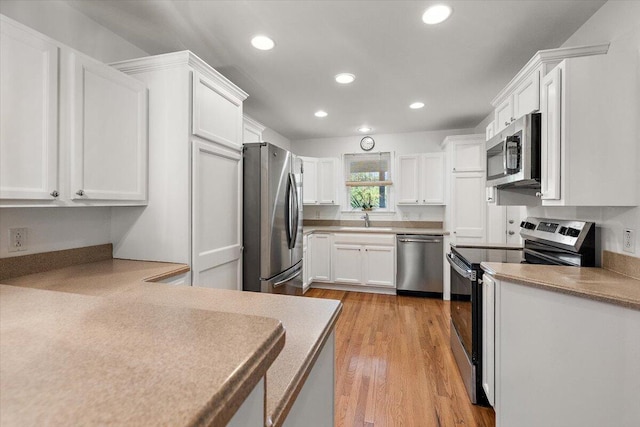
(374, 223)
(620, 263)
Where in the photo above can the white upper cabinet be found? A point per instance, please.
(522, 96)
(327, 181)
(108, 132)
(309, 181)
(29, 109)
(319, 181)
(589, 130)
(217, 113)
(421, 179)
(504, 114)
(408, 188)
(433, 178)
(73, 137)
(526, 96)
(252, 130)
(490, 130)
(467, 155)
(550, 139)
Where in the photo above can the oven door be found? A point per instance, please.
(461, 306)
(466, 325)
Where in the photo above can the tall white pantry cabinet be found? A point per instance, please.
(195, 172)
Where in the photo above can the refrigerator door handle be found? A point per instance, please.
(287, 212)
(279, 280)
(296, 210)
(291, 212)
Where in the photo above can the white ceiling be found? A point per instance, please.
(455, 68)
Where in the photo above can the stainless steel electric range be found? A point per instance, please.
(546, 241)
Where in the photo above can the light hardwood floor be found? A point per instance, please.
(394, 366)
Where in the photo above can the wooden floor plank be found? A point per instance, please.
(394, 366)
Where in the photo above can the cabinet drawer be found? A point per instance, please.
(365, 239)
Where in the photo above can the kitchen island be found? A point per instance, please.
(303, 367)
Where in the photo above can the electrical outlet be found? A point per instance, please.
(17, 239)
(628, 240)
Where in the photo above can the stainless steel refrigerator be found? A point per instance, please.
(272, 220)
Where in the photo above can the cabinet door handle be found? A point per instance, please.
(506, 123)
(54, 193)
(416, 201)
(538, 194)
(80, 192)
(511, 233)
(510, 221)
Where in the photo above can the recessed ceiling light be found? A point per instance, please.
(436, 14)
(321, 113)
(262, 43)
(345, 78)
(416, 105)
(364, 129)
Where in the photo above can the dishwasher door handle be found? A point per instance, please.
(418, 241)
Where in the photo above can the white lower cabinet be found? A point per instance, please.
(362, 260)
(562, 360)
(314, 406)
(251, 412)
(347, 265)
(488, 337)
(376, 263)
(319, 251)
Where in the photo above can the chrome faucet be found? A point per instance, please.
(367, 222)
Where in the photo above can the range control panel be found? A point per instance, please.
(565, 232)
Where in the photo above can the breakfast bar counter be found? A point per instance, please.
(308, 323)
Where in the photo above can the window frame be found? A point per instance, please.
(345, 196)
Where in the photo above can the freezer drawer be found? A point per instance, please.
(419, 265)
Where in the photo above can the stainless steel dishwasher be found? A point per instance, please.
(419, 265)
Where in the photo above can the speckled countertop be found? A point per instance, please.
(373, 229)
(71, 359)
(594, 283)
(308, 322)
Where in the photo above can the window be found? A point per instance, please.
(368, 180)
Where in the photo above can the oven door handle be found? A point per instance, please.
(467, 274)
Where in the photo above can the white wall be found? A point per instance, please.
(270, 135)
(52, 229)
(65, 24)
(619, 23)
(400, 143)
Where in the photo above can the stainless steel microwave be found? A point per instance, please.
(513, 155)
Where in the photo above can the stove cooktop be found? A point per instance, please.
(474, 256)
